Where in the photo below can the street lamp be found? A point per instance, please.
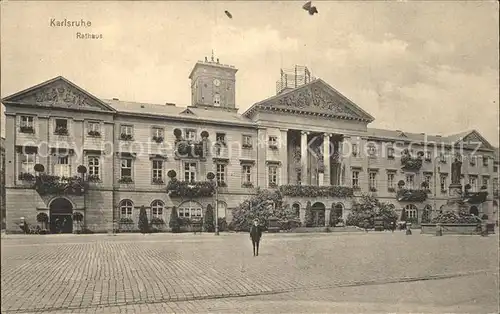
(211, 176)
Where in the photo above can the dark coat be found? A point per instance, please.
(255, 233)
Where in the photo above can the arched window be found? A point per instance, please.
(157, 209)
(221, 209)
(190, 209)
(411, 211)
(426, 215)
(339, 209)
(126, 208)
(296, 209)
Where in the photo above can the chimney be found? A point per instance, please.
(398, 131)
(217, 60)
(169, 104)
(116, 99)
(206, 59)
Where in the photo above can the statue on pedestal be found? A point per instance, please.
(456, 170)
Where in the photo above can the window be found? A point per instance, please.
(442, 157)
(390, 180)
(93, 129)
(28, 162)
(372, 150)
(473, 183)
(190, 135)
(61, 127)
(355, 179)
(126, 208)
(485, 161)
(442, 182)
(472, 160)
(220, 138)
(247, 141)
(126, 168)
(411, 211)
(216, 99)
(221, 174)
(93, 165)
(428, 155)
(299, 176)
(126, 132)
(189, 171)
(355, 150)
(190, 209)
(486, 181)
(428, 180)
(273, 175)
(27, 124)
(246, 174)
(410, 181)
(495, 186)
(273, 141)
(157, 134)
(62, 166)
(390, 153)
(157, 167)
(157, 209)
(373, 181)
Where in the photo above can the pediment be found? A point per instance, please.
(58, 92)
(320, 98)
(475, 139)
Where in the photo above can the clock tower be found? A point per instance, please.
(213, 84)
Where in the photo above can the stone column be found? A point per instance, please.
(284, 156)
(261, 178)
(327, 216)
(346, 161)
(303, 157)
(326, 159)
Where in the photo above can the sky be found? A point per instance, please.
(425, 66)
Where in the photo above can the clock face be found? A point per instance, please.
(216, 82)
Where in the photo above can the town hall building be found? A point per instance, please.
(68, 151)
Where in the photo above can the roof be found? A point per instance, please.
(314, 98)
(171, 111)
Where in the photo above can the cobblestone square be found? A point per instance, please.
(167, 273)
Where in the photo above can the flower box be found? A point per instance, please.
(61, 131)
(93, 178)
(158, 139)
(392, 190)
(316, 191)
(25, 176)
(408, 195)
(157, 221)
(125, 180)
(94, 134)
(273, 146)
(177, 188)
(372, 189)
(158, 181)
(47, 184)
(27, 129)
(246, 146)
(409, 163)
(247, 184)
(272, 185)
(126, 137)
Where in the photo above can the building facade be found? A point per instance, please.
(309, 141)
(2, 182)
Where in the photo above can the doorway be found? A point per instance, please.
(318, 214)
(474, 211)
(61, 216)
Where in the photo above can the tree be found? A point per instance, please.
(261, 206)
(309, 216)
(143, 221)
(368, 208)
(334, 217)
(174, 220)
(208, 221)
(404, 215)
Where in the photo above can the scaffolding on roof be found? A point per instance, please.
(293, 78)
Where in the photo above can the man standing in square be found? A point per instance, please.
(255, 235)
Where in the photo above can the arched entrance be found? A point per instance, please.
(318, 214)
(474, 211)
(339, 210)
(61, 216)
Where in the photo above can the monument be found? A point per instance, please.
(455, 201)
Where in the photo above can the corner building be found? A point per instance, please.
(308, 140)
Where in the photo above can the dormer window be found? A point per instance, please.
(61, 127)
(216, 99)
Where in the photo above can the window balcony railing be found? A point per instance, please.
(61, 131)
(177, 188)
(316, 191)
(411, 163)
(49, 184)
(27, 129)
(409, 195)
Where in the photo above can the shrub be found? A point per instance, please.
(365, 210)
(174, 223)
(309, 217)
(208, 221)
(404, 215)
(143, 221)
(222, 224)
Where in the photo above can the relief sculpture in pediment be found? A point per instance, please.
(61, 96)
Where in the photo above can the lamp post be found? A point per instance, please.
(211, 176)
(436, 169)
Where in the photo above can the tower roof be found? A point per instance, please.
(212, 63)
